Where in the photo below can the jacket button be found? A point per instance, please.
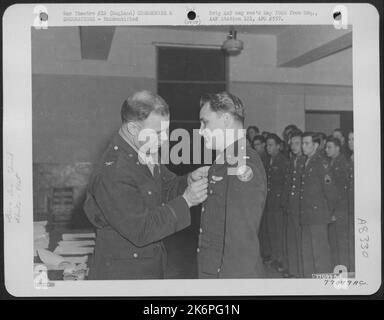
(201, 230)
(202, 209)
(135, 255)
(210, 191)
(198, 250)
(218, 270)
(293, 193)
(149, 192)
(116, 147)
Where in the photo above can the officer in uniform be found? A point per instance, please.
(291, 202)
(276, 174)
(133, 202)
(230, 218)
(258, 144)
(339, 228)
(317, 198)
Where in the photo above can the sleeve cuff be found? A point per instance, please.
(180, 210)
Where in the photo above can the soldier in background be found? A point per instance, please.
(265, 245)
(276, 172)
(285, 145)
(351, 203)
(258, 144)
(339, 134)
(339, 228)
(292, 207)
(323, 142)
(252, 132)
(317, 198)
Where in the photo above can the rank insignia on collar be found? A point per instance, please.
(109, 163)
(216, 178)
(327, 179)
(244, 173)
(325, 164)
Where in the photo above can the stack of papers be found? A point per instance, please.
(71, 255)
(56, 262)
(76, 244)
(40, 236)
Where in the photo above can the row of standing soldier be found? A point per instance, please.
(308, 222)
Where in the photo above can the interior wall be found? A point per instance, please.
(322, 122)
(75, 116)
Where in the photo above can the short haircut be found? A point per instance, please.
(256, 129)
(141, 104)
(295, 133)
(290, 127)
(322, 135)
(224, 102)
(340, 131)
(314, 135)
(335, 141)
(274, 137)
(259, 138)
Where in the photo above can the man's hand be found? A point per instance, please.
(199, 173)
(196, 192)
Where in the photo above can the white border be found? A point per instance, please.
(17, 21)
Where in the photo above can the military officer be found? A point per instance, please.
(230, 217)
(339, 228)
(317, 198)
(133, 201)
(276, 174)
(252, 132)
(292, 207)
(258, 144)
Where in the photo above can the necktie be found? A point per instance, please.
(156, 171)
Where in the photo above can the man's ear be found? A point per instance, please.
(227, 119)
(132, 128)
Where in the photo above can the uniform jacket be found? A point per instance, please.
(276, 177)
(341, 173)
(132, 211)
(318, 191)
(291, 194)
(230, 219)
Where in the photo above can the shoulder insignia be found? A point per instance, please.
(244, 173)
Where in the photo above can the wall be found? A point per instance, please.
(321, 122)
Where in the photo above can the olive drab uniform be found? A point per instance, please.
(276, 175)
(133, 210)
(230, 217)
(265, 245)
(291, 200)
(317, 199)
(339, 228)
